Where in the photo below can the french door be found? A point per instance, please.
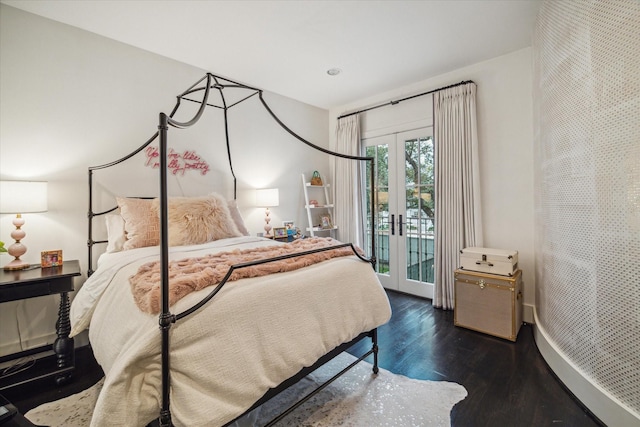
(405, 209)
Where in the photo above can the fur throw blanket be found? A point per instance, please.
(192, 274)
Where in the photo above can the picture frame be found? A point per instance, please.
(325, 221)
(51, 258)
(292, 230)
(279, 233)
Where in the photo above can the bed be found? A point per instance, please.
(240, 317)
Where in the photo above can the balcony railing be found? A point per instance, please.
(419, 237)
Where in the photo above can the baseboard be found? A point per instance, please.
(601, 403)
(527, 314)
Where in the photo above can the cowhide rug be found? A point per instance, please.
(358, 398)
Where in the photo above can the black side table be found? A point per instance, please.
(34, 282)
(10, 417)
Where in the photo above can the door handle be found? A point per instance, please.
(393, 225)
(400, 225)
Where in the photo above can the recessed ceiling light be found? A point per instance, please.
(334, 71)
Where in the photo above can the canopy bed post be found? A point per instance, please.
(374, 339)
(226, 135)
(90, 215)
(165, 319)
(225, 110)
(372, 176)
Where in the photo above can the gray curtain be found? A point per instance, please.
(348, 191)
(457, 199)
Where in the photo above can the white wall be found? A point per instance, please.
(587, 168)
(505, 133)
(70, 99)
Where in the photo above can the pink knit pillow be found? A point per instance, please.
(141, 224)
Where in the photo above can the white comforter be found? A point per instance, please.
(253, 335)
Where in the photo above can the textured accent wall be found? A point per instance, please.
(587, 154)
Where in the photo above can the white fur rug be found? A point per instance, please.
(358, 398)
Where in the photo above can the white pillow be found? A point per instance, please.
(115, 233)
(237, 218)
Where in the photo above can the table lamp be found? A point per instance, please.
(21, 197)
(266, 198)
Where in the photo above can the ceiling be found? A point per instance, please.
(287, 47)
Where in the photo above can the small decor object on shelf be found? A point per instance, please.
(51, 258)
(279, 233)
(291, 230)
(313, 203)
(316, 179)
(325, 221)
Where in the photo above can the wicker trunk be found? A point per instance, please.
(489, 303)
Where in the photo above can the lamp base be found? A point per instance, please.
(17, 249)
(17, 264)
(267, 226)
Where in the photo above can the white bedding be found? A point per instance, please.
(253, 335)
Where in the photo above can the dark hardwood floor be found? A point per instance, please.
(28, 396)
(508, 384)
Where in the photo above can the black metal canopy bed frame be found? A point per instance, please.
(206, 86)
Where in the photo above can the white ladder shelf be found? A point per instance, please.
(322, 210)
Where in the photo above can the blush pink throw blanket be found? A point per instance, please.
(192, 274)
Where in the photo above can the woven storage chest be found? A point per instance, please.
(489, 303)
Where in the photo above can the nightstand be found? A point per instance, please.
(10, 417)
(34, 282)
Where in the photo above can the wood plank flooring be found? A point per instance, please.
(508, 384)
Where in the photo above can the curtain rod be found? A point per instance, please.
(405, 99)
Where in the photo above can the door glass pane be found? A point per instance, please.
(381, 155)
(420, 210)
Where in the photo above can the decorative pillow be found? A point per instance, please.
(197, 220)
(116, 236)
(237, 218)
(141, 223)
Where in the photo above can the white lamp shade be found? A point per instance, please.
(23, 196)
(267, 197)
